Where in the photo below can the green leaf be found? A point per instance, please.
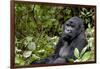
(88, 13)
(77, 60)
(34, 57)
(76, 53)
(71, 60)
(31, 46)
(83, 51)
(82, 13)
(41, 51)
(26, 54)
(19, 60)
(86, 56)
(29, 38)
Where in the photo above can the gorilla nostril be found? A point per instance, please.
(68, 30)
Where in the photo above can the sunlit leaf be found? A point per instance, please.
(19, 60)
(31, 46)
(86, 56)
(29, 38)
(76, 53)
(26, 54)
(77, 60)
(42, 50)
(83, 51)
(82, 13)
(35, 56)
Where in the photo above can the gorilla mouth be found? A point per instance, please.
(66, 37)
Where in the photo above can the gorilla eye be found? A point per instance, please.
(67, 24)
(71, 22)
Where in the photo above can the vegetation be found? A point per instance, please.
(38, 28)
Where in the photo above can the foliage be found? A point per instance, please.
(83, 56)
(38, 27)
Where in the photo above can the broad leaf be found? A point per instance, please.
(29, 38)
(26, 54)
(31, 46)
(83, 51)
(76, 53)
(86, 56)
(19, 60)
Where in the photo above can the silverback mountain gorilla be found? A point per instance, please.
(73, 36)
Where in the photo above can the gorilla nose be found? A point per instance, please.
(67, 31)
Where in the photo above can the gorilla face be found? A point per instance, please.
(72, 28)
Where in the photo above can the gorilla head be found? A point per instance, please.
(72, 28)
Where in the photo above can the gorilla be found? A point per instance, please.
(73, 36)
